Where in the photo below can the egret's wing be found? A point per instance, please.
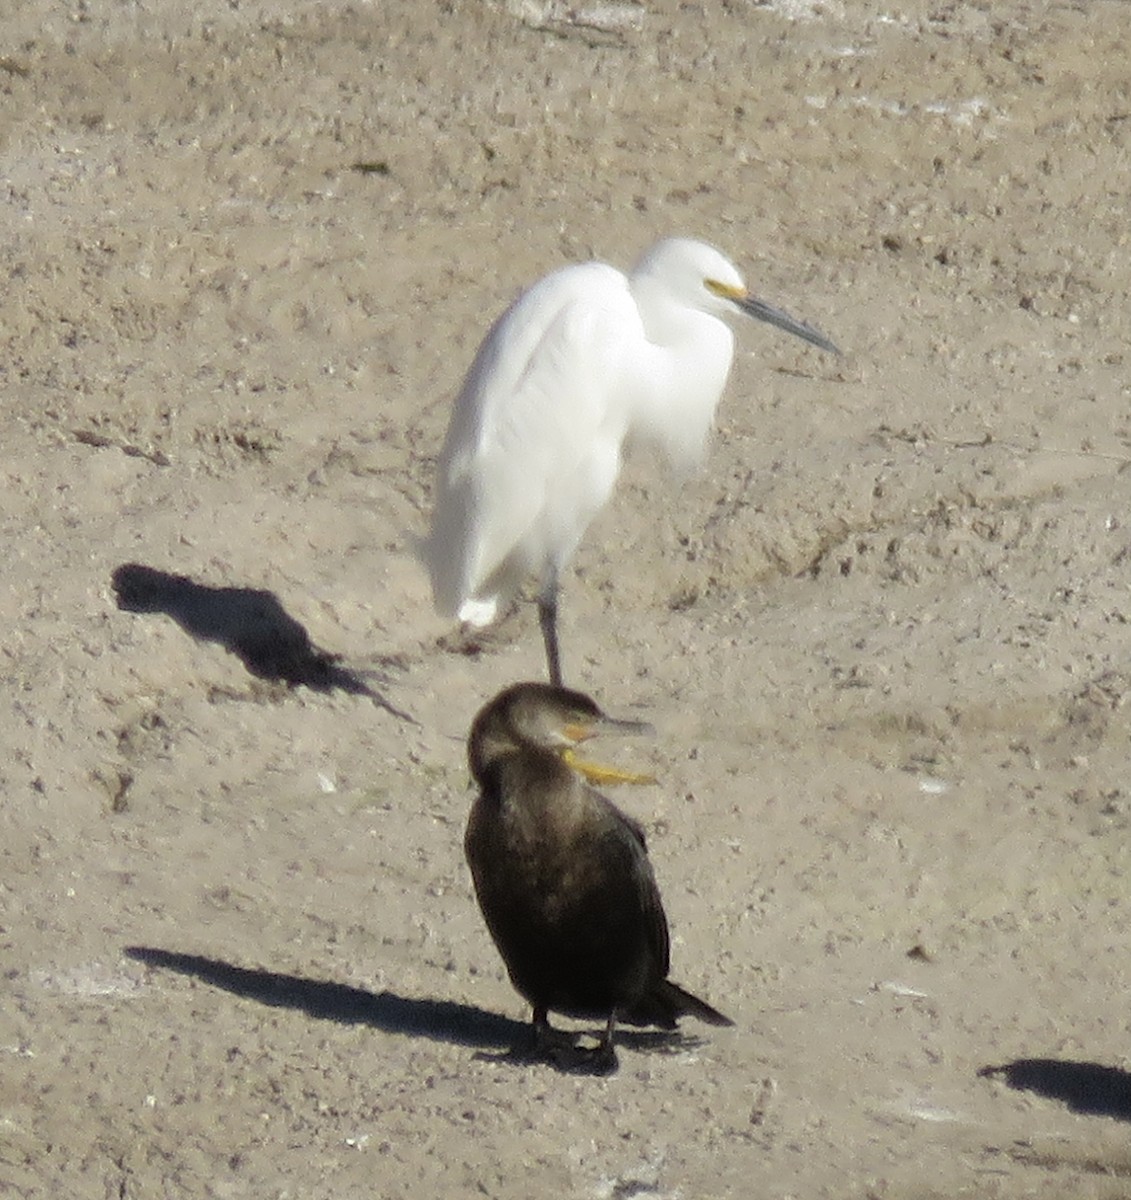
(538, 398)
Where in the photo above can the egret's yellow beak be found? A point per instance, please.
(726, 290)
(761, 311)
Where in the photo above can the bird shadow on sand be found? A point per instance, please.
(250, 623)
(497, 1038)
(437, 1020)
(567, 1054)
(1087, 1088)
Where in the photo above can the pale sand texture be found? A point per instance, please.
(883, 634)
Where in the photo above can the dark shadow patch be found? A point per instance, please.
(250, 623)
(498, 1039)
(1088, 1088)
(566, 1052)
(438, 1020)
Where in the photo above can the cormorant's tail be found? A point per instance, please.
(667, 1002)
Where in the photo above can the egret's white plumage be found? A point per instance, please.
(584, 360)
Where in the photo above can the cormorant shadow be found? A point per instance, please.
(248, 622)
(566, 1054)
(1088, 1088)
(438, 1020)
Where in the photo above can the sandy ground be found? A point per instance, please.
(884, 635)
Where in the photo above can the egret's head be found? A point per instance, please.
(698, 276)
(690, 273)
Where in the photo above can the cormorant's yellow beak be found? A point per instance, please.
(598, 772)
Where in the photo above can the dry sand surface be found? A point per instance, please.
(248, 251)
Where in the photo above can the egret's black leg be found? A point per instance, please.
(548, 619)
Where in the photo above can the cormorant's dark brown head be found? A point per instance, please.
(539, 717)
(530, 716)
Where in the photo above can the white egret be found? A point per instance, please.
(584, 360)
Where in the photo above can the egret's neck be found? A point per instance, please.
(682, 378)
